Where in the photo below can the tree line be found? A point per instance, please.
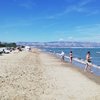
(8, 44)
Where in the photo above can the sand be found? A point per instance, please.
(39, 76)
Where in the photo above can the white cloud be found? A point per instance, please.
(93, 12)
(70, 37)
(82, 33)
(18, 24)
(61, 39)
(85, 2)
(25, 5)
(87, 32)
(49, 25)
(79, 7)
(88, 28)
(50, 17)
(28, 4)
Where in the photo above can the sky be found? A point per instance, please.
(49, 20)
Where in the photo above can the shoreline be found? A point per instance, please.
(80, 63)
(38, 75)
(91, 76)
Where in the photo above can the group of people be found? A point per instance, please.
(70, 55)
(88, 60)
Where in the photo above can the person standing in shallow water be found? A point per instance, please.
(71, 56)
(62, 55)
(88, 62)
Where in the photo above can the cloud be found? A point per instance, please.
(82, 33)
(50, 17)
(27, 5)
(76, 7)
(84, 2)
(79, 7)
(70, 37)
(61, 39)
(93, 12)
(49, 25)
(88, 28)
(18, 24)
(88, 32)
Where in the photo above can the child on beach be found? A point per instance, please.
(88, 62)
(70, 56)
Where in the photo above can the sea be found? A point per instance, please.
(79, 55)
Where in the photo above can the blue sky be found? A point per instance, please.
(49, 20)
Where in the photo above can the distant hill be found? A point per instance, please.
(60, 44)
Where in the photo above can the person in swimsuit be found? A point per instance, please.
(88, 62)
(71, 56)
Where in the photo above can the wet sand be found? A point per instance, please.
(39, 76)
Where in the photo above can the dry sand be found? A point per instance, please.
(39, 76)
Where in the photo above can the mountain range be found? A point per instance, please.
(59, 44)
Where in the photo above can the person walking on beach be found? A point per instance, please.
(71, 56)
(88, 62)
(62, 55)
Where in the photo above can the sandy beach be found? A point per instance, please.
(39, 76)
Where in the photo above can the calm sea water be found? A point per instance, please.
(79, 53)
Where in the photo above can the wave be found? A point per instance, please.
(98, 52)
(82, 61)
